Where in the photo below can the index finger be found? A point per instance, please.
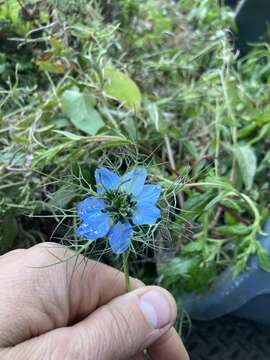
(168, 346)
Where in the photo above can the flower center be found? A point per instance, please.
(119, 204)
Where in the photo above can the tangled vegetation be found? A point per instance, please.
(120, 83)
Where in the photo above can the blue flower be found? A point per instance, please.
(120, 204)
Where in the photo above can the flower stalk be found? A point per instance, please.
(126, 270)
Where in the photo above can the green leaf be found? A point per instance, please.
(68, 135)
(10, 10)
(159, 123)
(176, 271)
(200, 277)
(264, 132)
(247, 130)
(63, 196)
(122, 88)
(264, 258)
(48, 155)
(50, 66)
(247, 162)
(191, 148)
(82, 31)
(177, 267)
(239, 267)
(230, 204)
(131, 128)
(229, 219)
(215, 201)
(12, 157)
(193, 246)
(196, 204)
(79, 108)
(238, 229)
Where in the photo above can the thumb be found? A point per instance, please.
(127, 324)
(118, 330)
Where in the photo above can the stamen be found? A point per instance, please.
(119, 204)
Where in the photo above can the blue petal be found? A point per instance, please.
(133, 181)
(96, 225)
(89, 204)
(149, 194)
(119, 237)
(106, 179)
(146, 214)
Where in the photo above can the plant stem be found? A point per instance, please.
(173, 166)
(217, 126)
(233, 126)
(126, 271)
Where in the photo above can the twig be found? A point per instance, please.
(169, 152)
(217, 216)
(168, 166)
(41, 28)
(173, 166)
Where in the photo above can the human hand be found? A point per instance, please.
(57, 306)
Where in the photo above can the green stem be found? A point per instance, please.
(233, 126)
(217, 126)
(257, 218)
(126, 271)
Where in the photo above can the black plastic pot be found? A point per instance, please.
(247, 296)
(252, 19)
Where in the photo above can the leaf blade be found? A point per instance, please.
(119, 86)
(80, 110)
(247, 163)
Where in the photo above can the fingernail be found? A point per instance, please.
(156, 309)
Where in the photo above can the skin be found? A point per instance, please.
(56, 306)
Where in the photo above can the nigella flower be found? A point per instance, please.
(119, 204)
